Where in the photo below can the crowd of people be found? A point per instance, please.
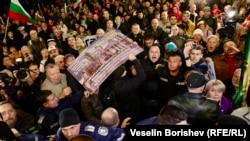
(188, 73)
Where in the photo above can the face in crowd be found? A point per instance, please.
(212, 43)
(230, 48)
(53, 74)
(154, 54)
(52, 101)
(215, 89)
(71, 131)
(174, 63)
(196, 55)
(236, 78)
(34, 71)
(8, 113)
(135, 29)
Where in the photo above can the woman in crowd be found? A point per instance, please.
(214, 90)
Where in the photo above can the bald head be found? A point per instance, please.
(110, 117)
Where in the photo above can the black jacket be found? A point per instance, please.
(200, 110)
(126, 91)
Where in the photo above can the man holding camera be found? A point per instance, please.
(28, 82)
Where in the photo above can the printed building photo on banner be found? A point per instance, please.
(101, 58)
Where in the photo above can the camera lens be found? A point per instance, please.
(21, 73)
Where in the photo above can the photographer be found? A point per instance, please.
(4, 81)
(8, 63)
(28, 90)
(8, 85)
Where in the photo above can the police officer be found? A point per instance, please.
(71, 126)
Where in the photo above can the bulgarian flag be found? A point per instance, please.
(17, 12)
(241, 95)
(40, 10)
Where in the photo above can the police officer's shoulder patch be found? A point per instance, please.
(102, 130)
(89, 128)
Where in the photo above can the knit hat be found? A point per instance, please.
(67, 56)
(171, 46)
(172, 14)
(51, 48)
(207, 8)
(182, 26)
(50, 40)
(21, 28)
(198, 31)
(68, 117)
(200, 22)
(196, 80)
(139, 11)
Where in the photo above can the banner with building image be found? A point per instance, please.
(101, 58)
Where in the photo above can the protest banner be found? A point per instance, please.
(89, 39)
(211, 70)
(101, 58)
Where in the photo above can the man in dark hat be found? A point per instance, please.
(200, 110)
(71, 126)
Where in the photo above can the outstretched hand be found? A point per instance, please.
(125, 122)
(131, 57)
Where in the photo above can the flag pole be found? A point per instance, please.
(6, 28)
(1, 20)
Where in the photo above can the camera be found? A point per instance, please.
(21, 73)
(230, 23)
(5, 78)
(194, 46)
